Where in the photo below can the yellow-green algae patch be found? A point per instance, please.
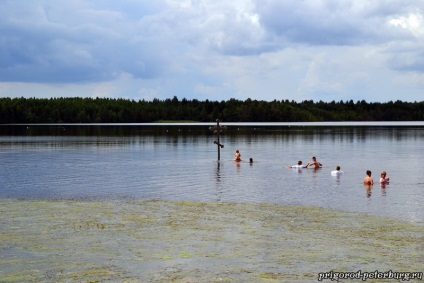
(181, 241)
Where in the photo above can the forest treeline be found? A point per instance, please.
(106, 110)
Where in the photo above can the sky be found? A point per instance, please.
(213, 49)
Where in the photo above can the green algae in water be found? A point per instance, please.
(164, 241)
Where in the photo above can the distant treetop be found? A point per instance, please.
(107, 110)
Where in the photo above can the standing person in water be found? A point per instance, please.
(314, 163)
(368, 180)
(337, 172)
(237, 157)
(384, 179)
(368, 183)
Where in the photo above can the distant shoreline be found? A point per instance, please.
(105, 110)
(258, 124)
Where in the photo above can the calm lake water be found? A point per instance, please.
(179, 162)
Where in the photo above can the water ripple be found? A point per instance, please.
(178, 168)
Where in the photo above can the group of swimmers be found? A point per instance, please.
(316, 164)
(237, 157)
(367, 181)
(313, 163)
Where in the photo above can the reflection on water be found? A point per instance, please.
(179, 162)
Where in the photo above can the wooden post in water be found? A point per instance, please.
(218, 129)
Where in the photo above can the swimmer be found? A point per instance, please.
(368, 180)
(237, 157)
(251, 160)
(383, 179)
(337, 172)
(314, 163)
(299, 165)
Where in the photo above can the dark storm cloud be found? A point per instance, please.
(85, 45)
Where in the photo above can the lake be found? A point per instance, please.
(179, 162)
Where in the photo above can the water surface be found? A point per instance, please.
(179, 162)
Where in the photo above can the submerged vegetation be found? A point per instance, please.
(105, 110)
(182, 241)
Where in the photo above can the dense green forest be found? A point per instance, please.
(105, 110)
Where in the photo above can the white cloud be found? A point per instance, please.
(413, 22)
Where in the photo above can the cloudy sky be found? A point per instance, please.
(213, 49)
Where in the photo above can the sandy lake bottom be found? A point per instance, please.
(181, 241)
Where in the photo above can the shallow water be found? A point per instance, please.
(179, 162)
(182, 241)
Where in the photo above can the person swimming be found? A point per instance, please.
(299, 165)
